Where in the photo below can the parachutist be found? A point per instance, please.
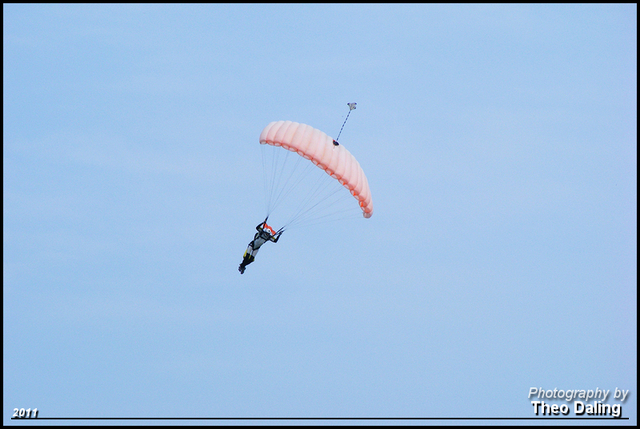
(265, 233)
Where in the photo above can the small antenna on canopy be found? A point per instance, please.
(352, 106)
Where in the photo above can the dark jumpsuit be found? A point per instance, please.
(262, 236)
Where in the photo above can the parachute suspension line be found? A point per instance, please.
(265, 181)
(325, 190)
(352, 106)
(267, 165)
(321, 183)
(270, 174)
(318, 214)
(276, 172)
(338, 215)
(300, 176)
(276, 185)
(277, 190)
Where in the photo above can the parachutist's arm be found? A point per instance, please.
(276, 237)
(262, 224)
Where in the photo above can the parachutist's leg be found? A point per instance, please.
(246, 261)
(247, 258)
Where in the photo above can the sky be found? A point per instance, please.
(500, 147)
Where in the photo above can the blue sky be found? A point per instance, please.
(500, 145)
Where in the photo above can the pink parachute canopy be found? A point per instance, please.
(320, 149)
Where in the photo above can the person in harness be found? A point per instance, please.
(265, 233)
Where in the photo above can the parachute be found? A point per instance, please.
(324, 152)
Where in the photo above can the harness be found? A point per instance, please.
(265, 233)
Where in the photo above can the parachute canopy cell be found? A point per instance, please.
(319, 148)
